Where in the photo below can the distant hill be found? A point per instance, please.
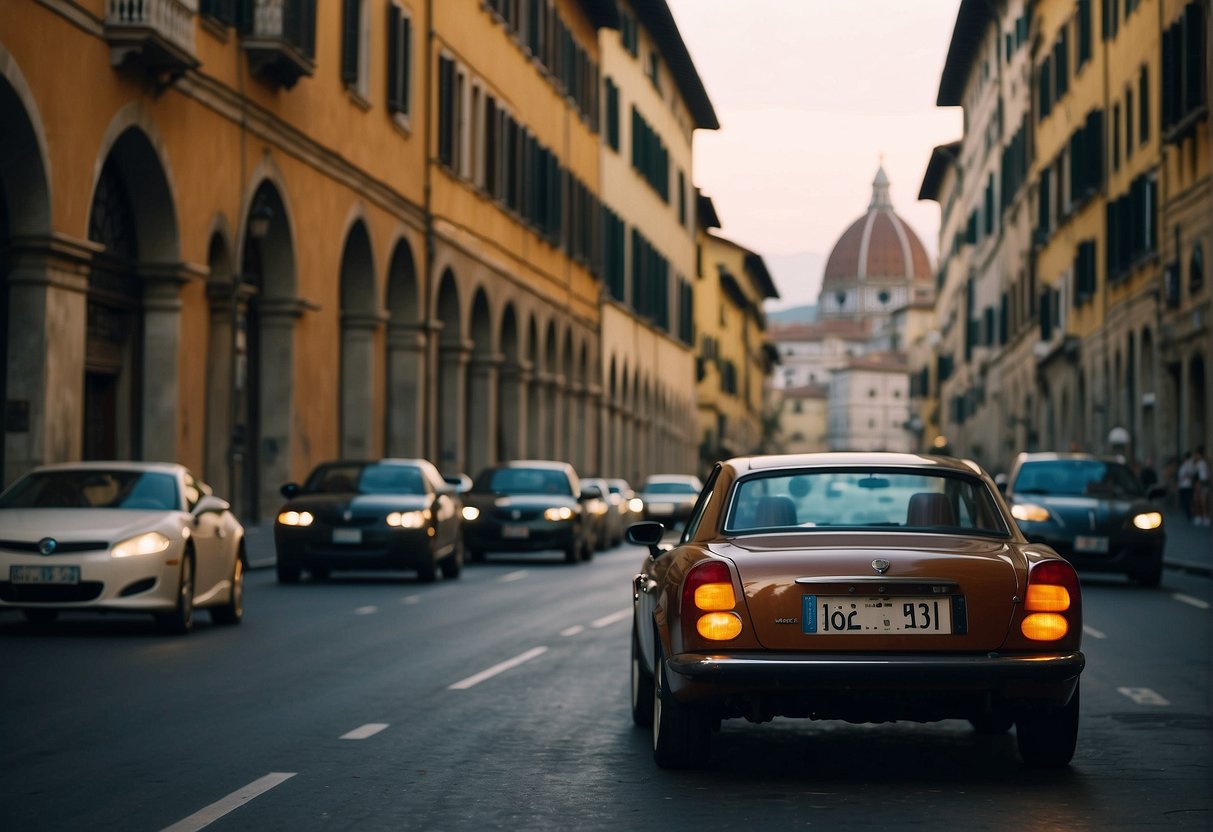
(795, 315)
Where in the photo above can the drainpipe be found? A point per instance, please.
(427, 286)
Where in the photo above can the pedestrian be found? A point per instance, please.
(1149, 477)
(1200, 488)
(1185, 479)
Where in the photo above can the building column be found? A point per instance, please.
(357, 418)
(483, 416)
(515, 379)
(452, 412)
(48, 299)
(276, 399)
(161, 394)
(405, 373)
(540, 438)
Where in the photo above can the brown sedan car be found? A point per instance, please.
(862, 587)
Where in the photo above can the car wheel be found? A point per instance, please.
(233, 610)
(452, 564)
(40, 618)
(287, 574)
(181, 620)
(427, 572)
(1047, 738)
(587, 551)
(642, 685)
(1151, 576)
(318, 573)
(992, 724)
(682, 735)
(573, 553)
(474, 555)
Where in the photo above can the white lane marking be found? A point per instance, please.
(476, 679)
(512, 576)
(366, 611)
(608, 620)
(1188, 599)
(572, 631)
(368, 730)
(212, 813)
(1092, 632)
(411, 599)
(1144, 696)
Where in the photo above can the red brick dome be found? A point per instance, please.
(878, 246)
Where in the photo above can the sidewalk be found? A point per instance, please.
(1189, 547)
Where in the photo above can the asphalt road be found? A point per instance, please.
(500, 701)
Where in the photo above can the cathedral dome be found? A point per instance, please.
(879, 247)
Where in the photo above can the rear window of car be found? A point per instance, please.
(812, 499)
(1076, 478)
(524, 481)
(372, 478)
(136, 490)
(670, 488)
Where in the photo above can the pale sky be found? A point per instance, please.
(811, 95)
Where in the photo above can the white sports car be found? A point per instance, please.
(123, 536)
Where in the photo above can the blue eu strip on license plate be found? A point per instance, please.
(809, 613)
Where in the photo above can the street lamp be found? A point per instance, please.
(260, 218)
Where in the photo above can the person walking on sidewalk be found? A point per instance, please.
(1200, 488)
(1184, 479)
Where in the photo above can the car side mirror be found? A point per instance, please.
(210, 504)
(647, 534)
(290, 490)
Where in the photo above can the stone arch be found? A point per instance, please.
(361, 320)
(515, 377)
(223, 291)
(405, 364)
(537, 391)
(46, 408)
(570, 391)
(483, 437)
(451, 378)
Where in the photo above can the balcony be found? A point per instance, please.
(280, 40)
(155, 35)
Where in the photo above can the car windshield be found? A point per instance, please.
(863, 498)
(91, 488)
(524, 481)
(670, 488)
(1077, 478)
(372, 478)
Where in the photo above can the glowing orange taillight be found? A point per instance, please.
(715, 597)
(1045, 626)
(1047, 598)
(708, 589)
(1052, 590)
(719, 626)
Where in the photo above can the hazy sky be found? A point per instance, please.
(811, 94)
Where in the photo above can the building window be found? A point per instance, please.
(399, 61)
(1196, 270)
(355, 32)
(1143, 104)
(612, 114)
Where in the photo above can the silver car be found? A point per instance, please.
(124, 536)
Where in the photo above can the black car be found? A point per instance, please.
(1093, 510)
(383, 514)
(528, 506)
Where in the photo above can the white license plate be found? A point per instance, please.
(849, 615)
(515, 532)
(1090, 544)
(661, 508)
(44, 574)
(347, 535)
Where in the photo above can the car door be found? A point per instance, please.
(210, 534)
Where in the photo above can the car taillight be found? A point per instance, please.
(1051, 600)
(708, 599)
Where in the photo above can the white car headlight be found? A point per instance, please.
(1030, 512)
(150, 543)
(562, 513)
(295, 518)
(408, 519)
(470, 513)
(1147, 520)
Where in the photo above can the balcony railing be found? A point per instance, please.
(280, 39)
(157, 35)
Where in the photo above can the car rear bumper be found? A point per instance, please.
(874, 687)
(539, 537)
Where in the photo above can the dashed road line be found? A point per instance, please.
(1189, 600)
(512, 576)
(411, 599)
(366, 611)
(205, 817)
(608, 620)
(576, 629)
(501, 667)
(364, 731)
(1144, 696)
(1092, 632)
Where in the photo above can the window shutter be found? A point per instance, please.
(446, 111)
(349, 41)
(393, 58)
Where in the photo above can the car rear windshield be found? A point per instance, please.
(146, 490)
(864, 498)
(1077, 478)
(524, 481)
(366, 479)
(670, 488)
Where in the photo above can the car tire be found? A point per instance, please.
(474, 555)
(233, 611)
(682, 735)
(40, 618)
(427, 572)
(642, 685)
(1047, 739)
(287, 574)
(572, 554)
(1151, 576)
(452, 564)
(992, 724)
(318, 573)
(181, 620)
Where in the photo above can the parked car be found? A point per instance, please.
(362, 514)
(460, 482)
(668, 498)
(120, 536)
(1093, 510)
(605, 521)
(630, 506)
(919, 599)
(527, 506)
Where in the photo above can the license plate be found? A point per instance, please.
(848, 615)
(347, 535)
(44, 574)
(661, 508)
(1090, 544)
(515, 532)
